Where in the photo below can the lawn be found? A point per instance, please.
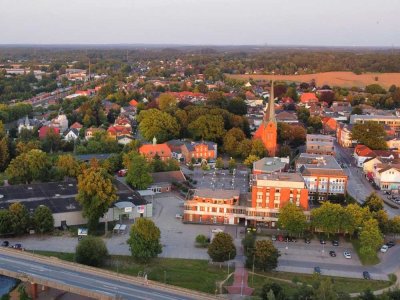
(187, 273)
(341, 284)
(365, 260)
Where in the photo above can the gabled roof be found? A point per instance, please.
(152, 150)
(362, 150)
(308, 97)
(73, 130)
(76, 125)
(168, 177)
(285, 115)
(133, 102)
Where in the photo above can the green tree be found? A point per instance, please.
(43, 219)
(96, 193)
(357, 215)
(325, 290)
(265, 255)
(207, 127)
(138, 175)
(272, 290)
(4, 151)
(373, 202)
(68, 166)
(232, 164)
(231, 140)
(52, 141)
(144, 240)
(258, 148)
(19, 217)
(375, 89)
(327, 217)
(155, 123)
(292, 219)
(5, 221)
(394, 225)
(357, 110)
(219, 163)
(370, 134)
(303, 114)
(370, 238)
(221, 248)
(166, 102)
(250, 160)
(29, 166)
(91, 251)
(201, 240)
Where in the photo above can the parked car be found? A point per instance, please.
(390, 244)
(322, 241)
(384, 248)
(347, 254)
(273, 238)
(122, 173)
(335, 243)
(366, 275)
(332, 253)
(280, 238)
(18, 246)
(317, 270)
(5, 244)
(307, 241)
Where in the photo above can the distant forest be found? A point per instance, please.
(233, 60)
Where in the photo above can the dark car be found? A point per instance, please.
(390, 244)
(332, 253)
(317, 270)
(322, 241)
(17, 246)
(366, 275)
(335, 243)
(307, 241)
(5, 244)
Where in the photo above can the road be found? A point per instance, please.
(92, 281)
(358, 186)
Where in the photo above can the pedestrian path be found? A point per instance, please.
(239, 289)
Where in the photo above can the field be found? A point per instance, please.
(343, 79)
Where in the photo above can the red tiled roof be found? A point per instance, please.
(43, 131)
(362, 150)
(133, 102)
(151, 150)
(308, 97)
(76, 125)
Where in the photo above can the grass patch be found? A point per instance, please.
(341, 284)
(192, 274)
(365, 260)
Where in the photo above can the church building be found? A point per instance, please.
(267, 132)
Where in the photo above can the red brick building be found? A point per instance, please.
(152, 150)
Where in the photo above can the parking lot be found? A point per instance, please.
(221, 179)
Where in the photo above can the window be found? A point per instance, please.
(276, 205)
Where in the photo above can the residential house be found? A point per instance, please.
(393, 144)
(329, 125)
(28, 124)
(71, 134)
(45, 130)
(60, 122)
(154, 149)
(308, 98)
(117, 130)
(125, 139)
(361, 154)
(90, 132)
(199, 150)
(320, 144)
(76, 125)
(343, 135)
(387, 176)
(176, 149)
(322, 175)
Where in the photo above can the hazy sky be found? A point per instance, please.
(272, 22)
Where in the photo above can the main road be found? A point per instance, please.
(105, 285)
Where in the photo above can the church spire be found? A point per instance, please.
(269, 115)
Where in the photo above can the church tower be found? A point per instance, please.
(267, 132)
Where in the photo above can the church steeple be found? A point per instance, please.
(269, 115)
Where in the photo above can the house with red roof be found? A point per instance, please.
(76, 125)
(307, 98)
(117, 130)
(362, 153)
(90, 132)
(133, 102)
(45, 130)
(329, 125)
(152, 150)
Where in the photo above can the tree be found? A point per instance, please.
(375, 89)
(265, 255)
(303, 114)
(258, 148)
(327, 217)
(43, 219)
(52, 141)
(4, 151)
(219, 163)
(91, 251)
(221, 248)
(231, 140)
(144, 240)
(232, 164)
(357, 215)
(155, 123)
(96, 193)
(373, 202)
(370, 134)
(166, 102)
(138, 175)
(250, 160)
(394, 225)
(207, 127)
(325, 290)
(29, 166)
(237, 106)
(382, 218)
(272, 290)
(19, 217)
(370, 238)
(357, 110)
(201, 240)
(5, 221)
(292, 219)
(68, 166)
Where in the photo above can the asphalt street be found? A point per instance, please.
(92, 282)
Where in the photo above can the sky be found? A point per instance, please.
(202, 22)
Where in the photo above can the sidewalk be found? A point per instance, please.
(239, 289)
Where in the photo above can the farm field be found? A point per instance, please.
(343, 79)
